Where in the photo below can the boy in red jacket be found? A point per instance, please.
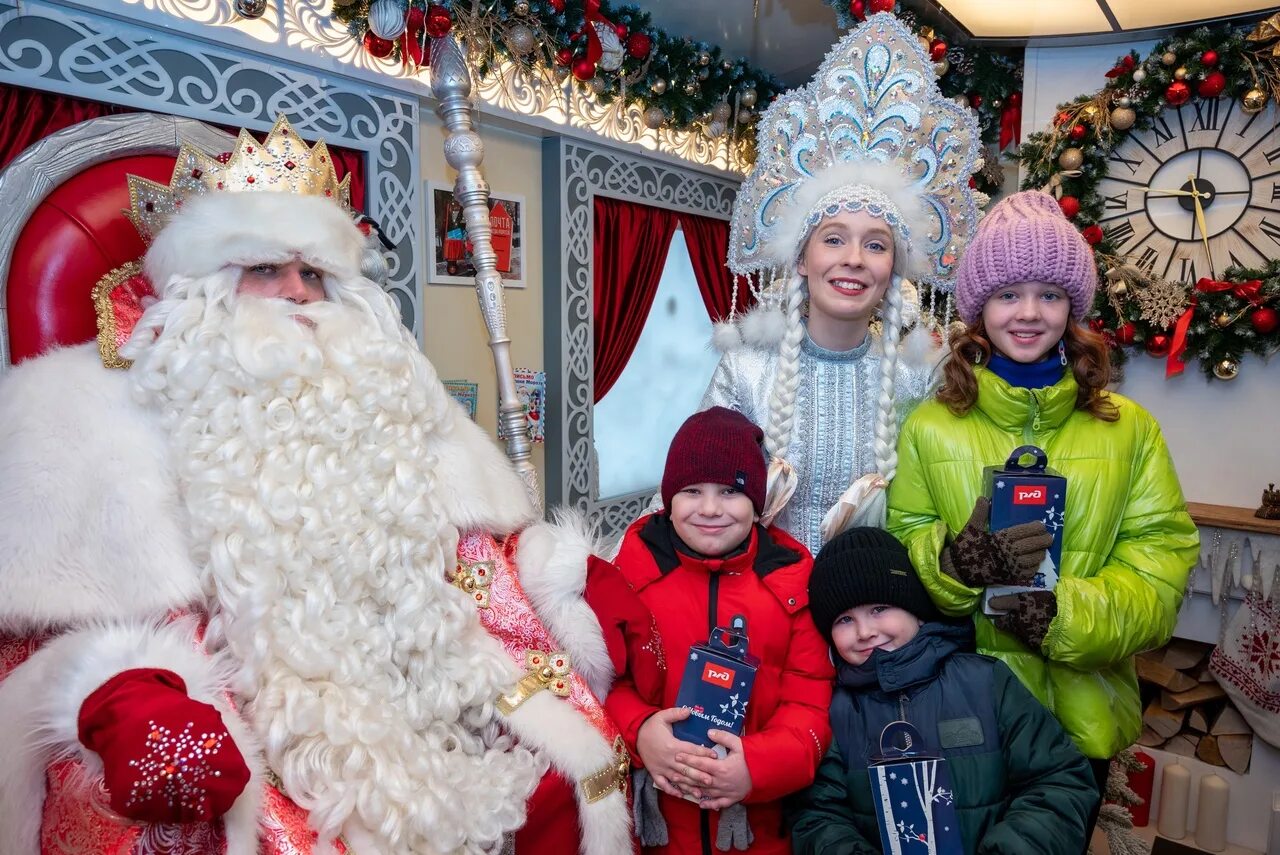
(697, 564)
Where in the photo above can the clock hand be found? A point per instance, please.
(1204, 233)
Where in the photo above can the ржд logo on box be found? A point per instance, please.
(1030, 494)
(717, 675)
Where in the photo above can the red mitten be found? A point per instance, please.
(166, 757)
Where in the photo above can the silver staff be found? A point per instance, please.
(463, 150)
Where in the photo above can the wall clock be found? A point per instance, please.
(1197, 192)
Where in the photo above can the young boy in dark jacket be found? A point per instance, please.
(1020, 784)
(697, 564)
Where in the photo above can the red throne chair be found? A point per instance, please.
(64, 225)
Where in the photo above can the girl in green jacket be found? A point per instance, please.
(1026, 371)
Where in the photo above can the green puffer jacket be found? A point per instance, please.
(1128, 549)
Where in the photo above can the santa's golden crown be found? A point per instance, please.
(283, 163)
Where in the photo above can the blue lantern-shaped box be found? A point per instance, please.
(915, 804)
(716, 685)
(1026, 493)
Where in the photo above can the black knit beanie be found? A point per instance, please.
(864, 566)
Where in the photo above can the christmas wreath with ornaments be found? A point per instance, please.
(616, 52)
(1216, 321)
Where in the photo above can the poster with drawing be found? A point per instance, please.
(450, 261)
(465, 393)
(531, 389)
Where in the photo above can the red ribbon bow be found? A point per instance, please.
(592, 13)
(1011, 123)
(1124, 67)
(1250, 292)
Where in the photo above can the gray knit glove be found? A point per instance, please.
(650, 826)
(734, 832)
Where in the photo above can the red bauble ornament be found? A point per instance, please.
(1014, 100)
(1092, 234)
(1209, 58)
(639, 45)
(557, 6)
(1158, 345)
(1264, 321)
(1077, 132)
(937, 50)
(1070, 206)
(1124, 334)
(439, 22)
(564, 56)
(859, 9)
(1097, 324)
(1061, 118)
(621, 30)
(1177, 94)
(882, 5)
(975, 100)
(1213, 85)
(584, 69)
(376, 46)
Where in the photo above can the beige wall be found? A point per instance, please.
(456, 340)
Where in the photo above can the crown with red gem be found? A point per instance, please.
(283, 163)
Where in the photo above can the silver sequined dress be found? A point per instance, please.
(832, 439)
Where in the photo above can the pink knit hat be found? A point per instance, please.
(1025, 238)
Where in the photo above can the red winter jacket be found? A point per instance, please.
(787, 731)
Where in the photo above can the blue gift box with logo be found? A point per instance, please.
(716, 685)
(1024, 491)
(915, 804)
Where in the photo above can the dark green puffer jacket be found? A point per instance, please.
(1021, 786)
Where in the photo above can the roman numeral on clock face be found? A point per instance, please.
(1206, 115)
(1162, 131)
(1121, 234)
(1135, 163)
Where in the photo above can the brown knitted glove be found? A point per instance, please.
(1027, 615)
(979, 558)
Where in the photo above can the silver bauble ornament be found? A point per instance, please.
(1139, 75)
(941, 67)
(716, 129)
(745, 116)
(704, 58)
(962, 100)
(691, 88)
(748, 98)
(387, 19)
(521, 7)
(562, 74)
(250, 8)
(1122, 118)
(1124, 101)
(727, 65)
(996, 103)
(658, 86)
(521, 40)
(721, 112)
(597, 85)
(654, 118)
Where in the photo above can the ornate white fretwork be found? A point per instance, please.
(303, 31)
(583, 172)
(77, 49)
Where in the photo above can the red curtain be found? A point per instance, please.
(28, 115)
(708, 241)
(631, 243)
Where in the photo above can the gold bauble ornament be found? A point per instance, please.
(749, 97)
(941, 67)
(1180, 74)
(653, 118)
(704, 58)
(1071, 158)
(1122, 118)
(1222, 320)
(691, 88)
(1254, 100)
(1090, 112)
(1169, 57)
(1226, 369)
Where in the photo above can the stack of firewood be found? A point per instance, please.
(1187, 711)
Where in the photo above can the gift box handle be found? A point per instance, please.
(731, 639)
(1014, 463)
(889, 739)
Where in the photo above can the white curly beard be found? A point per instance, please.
(299, 448)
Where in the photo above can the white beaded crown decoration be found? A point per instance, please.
(871, 132)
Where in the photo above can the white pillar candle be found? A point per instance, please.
(1211, 814)
(1175, 789)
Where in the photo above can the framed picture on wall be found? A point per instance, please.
(449, 255)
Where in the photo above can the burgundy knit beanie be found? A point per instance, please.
(716, 446)
(1025, 238)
